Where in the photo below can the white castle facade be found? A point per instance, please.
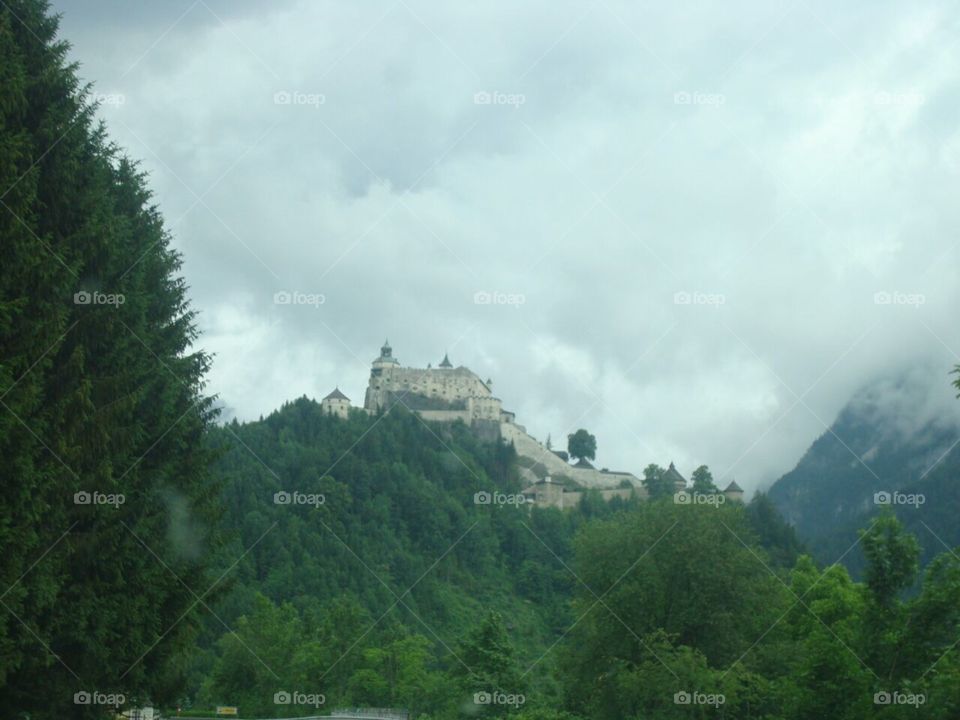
(447, 394)
(441, 394)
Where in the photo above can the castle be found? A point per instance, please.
(447, 394)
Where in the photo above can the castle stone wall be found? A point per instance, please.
(441, 384)
(531, 448)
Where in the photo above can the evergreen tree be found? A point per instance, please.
(108, 515)
(486, 670)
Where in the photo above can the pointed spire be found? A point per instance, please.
(445, 363)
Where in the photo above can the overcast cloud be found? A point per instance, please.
(689, 208)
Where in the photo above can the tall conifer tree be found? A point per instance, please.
(100, 392)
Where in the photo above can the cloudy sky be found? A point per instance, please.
(695, 229)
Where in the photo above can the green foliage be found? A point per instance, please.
(702, 481)
(100, 393)
(485, 669)
(398, 531)
(582, 445)
(689, 571)
(666, 620)
(775, 535)
(891, 558)
(657, 485)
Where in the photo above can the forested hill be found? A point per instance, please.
(892, 437)
(377, 581)
(363, 535)
(378, 505)
(379, 528)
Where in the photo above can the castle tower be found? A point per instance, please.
(386, 359)
(674, 476)
(336, 404)
(734, 493)
(445, 363)
(380, 377)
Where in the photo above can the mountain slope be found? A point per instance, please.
(894, 436)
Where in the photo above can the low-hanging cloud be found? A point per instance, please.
(721, 221)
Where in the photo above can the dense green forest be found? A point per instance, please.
(299, 563)
(617, 609)
(397, 530)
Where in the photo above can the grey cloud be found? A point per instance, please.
(793, 161)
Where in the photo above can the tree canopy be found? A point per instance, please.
(582, 445)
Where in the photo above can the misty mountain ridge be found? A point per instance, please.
(898, 434)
